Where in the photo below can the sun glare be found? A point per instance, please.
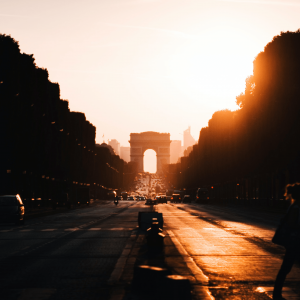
(213, 67)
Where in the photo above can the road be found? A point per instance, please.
(232, 247)
(93, 252)
(69, 255)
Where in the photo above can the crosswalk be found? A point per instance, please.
(69, 229)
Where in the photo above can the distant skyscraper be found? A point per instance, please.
(116, 146)
(125, 153)
(188, 140)
(175, 151)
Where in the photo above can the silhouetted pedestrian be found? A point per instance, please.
(291, 221)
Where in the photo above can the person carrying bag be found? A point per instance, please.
(288, 235)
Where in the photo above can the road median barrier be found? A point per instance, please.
(157, 282)
(149, 279)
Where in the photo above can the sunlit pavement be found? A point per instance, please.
(232, 247)
(91, 253)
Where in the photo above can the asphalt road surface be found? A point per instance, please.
(93, 253)
(232, 247)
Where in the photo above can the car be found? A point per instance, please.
(168, 198)
(62, 200)
(12, 209)
(130, 198)
(163, 199)
(187, 199)
(150, 201)
(176, 198)
(202, 195)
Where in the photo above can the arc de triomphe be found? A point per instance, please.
(159, 142)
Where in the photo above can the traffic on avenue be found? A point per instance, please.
(189, 250)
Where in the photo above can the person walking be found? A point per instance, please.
(292, 245)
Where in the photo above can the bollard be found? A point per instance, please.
(176, 288)
(145, 219)
(155, 237)
(148, 279)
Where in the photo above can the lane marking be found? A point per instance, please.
(71, 229)
(119, 267)
(196, 271)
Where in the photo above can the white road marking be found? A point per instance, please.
(71, 229)
(122, 228)
(196, 271)
(119, 267)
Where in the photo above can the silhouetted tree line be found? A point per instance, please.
(47, 150)
(253, 152)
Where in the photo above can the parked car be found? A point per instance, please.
(202, 195)
(62, 200)
(130, 198)
(12, 209)
(83, 195)
(187, 199)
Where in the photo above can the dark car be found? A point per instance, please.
(163, 199)
(62, 200)
(130, 198)
(150, 201)
(187, 199)
(176, 198)
(202, 195)
(12, 209)
(168, 198)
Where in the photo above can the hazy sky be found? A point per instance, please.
(147, 65)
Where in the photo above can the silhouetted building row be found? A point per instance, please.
(249, 155)
(46, 149)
